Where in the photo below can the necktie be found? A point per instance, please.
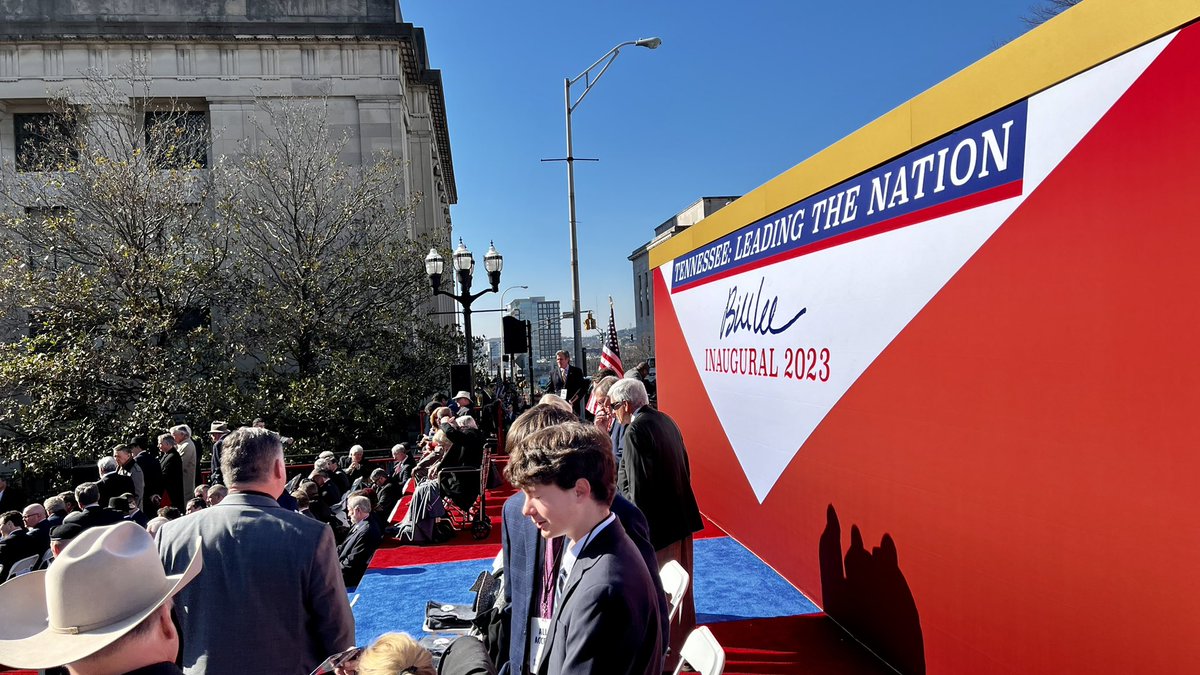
(549, 576)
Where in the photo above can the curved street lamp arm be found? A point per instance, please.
(607, 59)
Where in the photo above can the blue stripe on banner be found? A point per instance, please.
(975, 159)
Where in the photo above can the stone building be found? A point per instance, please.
(216, 56)
(643, 289)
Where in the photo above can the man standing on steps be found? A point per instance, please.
(567, 381)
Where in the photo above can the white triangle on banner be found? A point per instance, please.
(859, 295)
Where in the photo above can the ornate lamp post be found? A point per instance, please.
(464, 264)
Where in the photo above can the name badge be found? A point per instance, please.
(539, 630)
(563, 393)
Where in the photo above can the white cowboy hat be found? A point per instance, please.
(57, 617)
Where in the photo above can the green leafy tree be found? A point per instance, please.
(334, 317)
(143, 283)
(110, 263)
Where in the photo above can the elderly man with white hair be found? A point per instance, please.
(355, 552)
(354, 465)
(111, 483)
(328, 463)
(655, 475)
(403, 462)
(186, 448)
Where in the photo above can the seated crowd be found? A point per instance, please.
(581, 550)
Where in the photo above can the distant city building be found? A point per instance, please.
(494, 347)
(215, 57)
(643, 289)
(545, 317)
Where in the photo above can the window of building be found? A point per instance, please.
(44, 141)
(178, 139)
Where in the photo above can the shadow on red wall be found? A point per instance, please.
(869, 596)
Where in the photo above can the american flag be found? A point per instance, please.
(610, 355)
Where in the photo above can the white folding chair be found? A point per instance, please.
(702, 652)
(675, 582)
(44, 562)
(22, 566)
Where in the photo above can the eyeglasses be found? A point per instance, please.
(617, 404)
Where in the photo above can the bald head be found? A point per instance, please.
(33, 514)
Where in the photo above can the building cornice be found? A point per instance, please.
(414, 56)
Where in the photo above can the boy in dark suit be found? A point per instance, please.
(603, 604)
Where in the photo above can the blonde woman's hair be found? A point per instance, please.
(395, 654)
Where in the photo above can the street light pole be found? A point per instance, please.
(464, 264)
(603, 63)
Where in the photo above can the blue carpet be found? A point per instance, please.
(393, 599)
(730, 584)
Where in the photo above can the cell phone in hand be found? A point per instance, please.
(331, 663)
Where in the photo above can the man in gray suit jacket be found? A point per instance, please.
(271, 597)
(605, 616)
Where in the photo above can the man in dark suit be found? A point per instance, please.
(216, 433)
(56, 510)
(655, 475)
(355, 552)
(16, 543)
(355, 466)
(278, 569)
(524, 550)
(90, 513)
(112, 483)
(11, 498)
(402, 464)
(605, 613)
(567, 381)
(387, 493)
(171, 465)
(38, 526)
(34, 517)
(152, 476)
(127, 506)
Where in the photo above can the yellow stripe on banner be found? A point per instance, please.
(1086, 35)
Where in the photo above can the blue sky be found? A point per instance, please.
(736, 94)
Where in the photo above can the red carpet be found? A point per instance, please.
(393, 553)
(794, 645)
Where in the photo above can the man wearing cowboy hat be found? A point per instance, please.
(271, 599)
(56, 617)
